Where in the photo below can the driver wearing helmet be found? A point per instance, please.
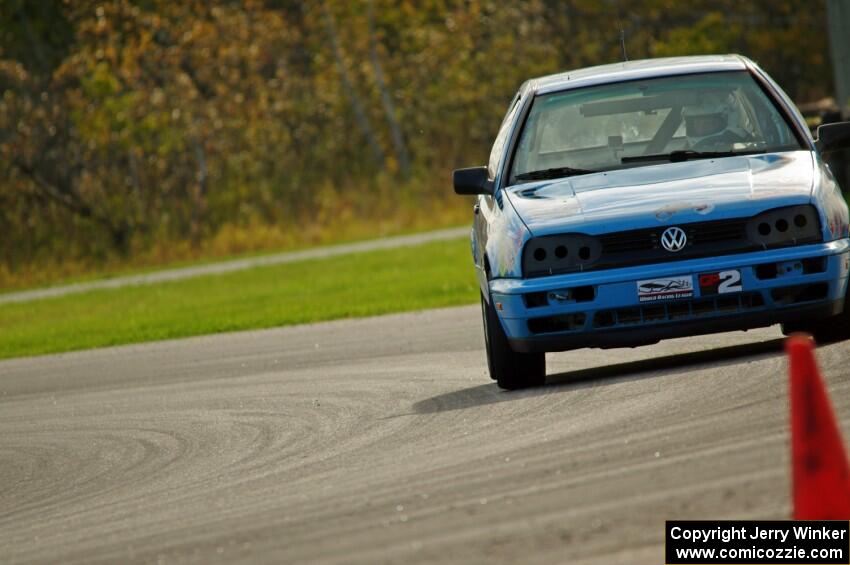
(713, 124)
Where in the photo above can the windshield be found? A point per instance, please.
(605, 127)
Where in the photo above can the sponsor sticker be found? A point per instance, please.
(667, 288)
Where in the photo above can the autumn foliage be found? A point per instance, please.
(131, 126)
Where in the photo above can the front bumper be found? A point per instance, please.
(602, 309)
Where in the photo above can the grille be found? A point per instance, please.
(640, 247)
(698, 234)
(561, 323)
(705, 239)
(678, 310)
(799, 293)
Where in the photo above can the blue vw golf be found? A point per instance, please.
(629, 203)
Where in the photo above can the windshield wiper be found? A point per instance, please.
(553, 173)
(684, 155)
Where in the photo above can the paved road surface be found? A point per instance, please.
(382, 440)
(236, 265)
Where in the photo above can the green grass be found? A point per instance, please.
(53, 276)
(362, 284)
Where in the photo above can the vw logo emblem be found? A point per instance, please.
(674, 239)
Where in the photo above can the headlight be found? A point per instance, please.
(785, 226)
(560, 253)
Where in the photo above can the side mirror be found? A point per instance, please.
(833, 137)
(472, 181)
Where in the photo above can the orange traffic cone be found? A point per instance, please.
(821, 479)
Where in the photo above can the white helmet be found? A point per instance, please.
(708, 121)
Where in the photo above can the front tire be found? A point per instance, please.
(511, 370)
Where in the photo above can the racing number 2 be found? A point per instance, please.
(730, 281)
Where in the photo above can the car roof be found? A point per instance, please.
(632, 70)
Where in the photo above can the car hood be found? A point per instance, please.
(708, 189)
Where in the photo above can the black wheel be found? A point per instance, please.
(827, 330)
(510, 370)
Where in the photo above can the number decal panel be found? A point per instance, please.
(722, 282)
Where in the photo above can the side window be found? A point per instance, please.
(501, 139)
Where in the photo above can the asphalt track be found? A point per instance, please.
(382, 440)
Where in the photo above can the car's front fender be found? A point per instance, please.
(830, 202)
(499, 236)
